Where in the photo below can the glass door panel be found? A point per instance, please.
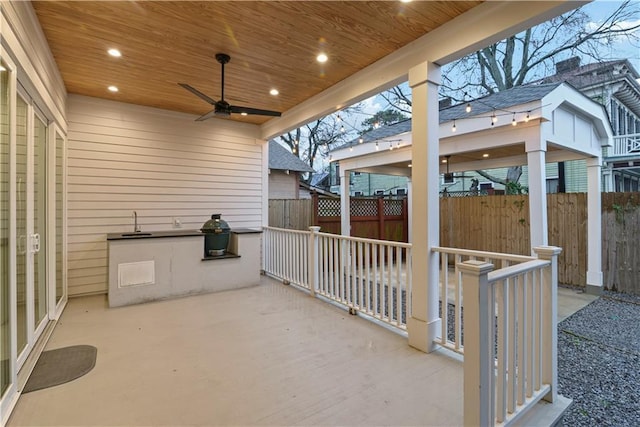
(5, 331)
(21, 222)
(38, 239)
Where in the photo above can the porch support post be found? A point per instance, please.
(536, 156)
(345, 204)
(423, 324)
(478, 382)
(550, 319)
(594, 227)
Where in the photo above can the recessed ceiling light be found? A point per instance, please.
(485, 155)
(410, 165)
(322, 58)
(405, 1)
(274, 92)
(113, 88)
(243, 114)
(114, 52)
(444, 160)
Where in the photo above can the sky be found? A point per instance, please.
(600, 9)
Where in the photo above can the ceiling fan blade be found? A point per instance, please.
(206, 116)
(197, 93)
(256, 111)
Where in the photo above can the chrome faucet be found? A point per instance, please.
(136, 227)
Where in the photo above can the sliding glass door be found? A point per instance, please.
(5, 301)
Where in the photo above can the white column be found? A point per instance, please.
(423, 324)
(607, 177)
(345, 204)
(594, 227)
(536, 156)
(409, 208)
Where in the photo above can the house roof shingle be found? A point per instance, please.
(281, 159)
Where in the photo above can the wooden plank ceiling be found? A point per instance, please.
(271, 44)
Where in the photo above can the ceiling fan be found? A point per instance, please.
(222, 108)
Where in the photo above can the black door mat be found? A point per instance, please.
(59, 366)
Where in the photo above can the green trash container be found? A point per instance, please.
(216, 236)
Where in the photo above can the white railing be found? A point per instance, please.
(286, 255)
(451, 288)
(510, 337)
(369, 276)
(625, 145)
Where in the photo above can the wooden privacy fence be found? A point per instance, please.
(497, 224)
(501, 224)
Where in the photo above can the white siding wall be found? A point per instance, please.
(283, 185)
(161, 164)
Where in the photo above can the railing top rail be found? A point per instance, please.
(288, 230)
(482, 254)
(514, 270)
(627, 135)
(365, 240)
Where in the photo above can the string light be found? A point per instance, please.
(494, 118)
(377, 147)
(526, 119)
(361, 140)
(376, 125)
(351, 148)
(390, 146)
(398, 145)
(453, 128)
(342, 129)
(513, 121)
(468, 108)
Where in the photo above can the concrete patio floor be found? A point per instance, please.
(266, 355)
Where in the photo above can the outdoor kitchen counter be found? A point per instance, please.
(155, 265)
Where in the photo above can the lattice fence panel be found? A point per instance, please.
(364, 207)
(393, 207)
(328, 207)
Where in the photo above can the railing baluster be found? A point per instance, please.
(513, 312)
(522, 340)
(444, 297)
(398, 285)
(458, 306)
(376, 281)
(368, 282)
(389, 296)
(530, 335)
(502, 291)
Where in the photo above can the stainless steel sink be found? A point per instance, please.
(136, 234)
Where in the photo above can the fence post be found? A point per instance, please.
(314, 208)
(381, 234)
(549, 319)
(478, 344)
(313, 259)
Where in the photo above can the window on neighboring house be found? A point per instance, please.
(357, 173)
(379, 192)
(552, 185)
(401, 192)
(357, 193)
(486, 186)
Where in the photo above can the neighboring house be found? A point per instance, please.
(284, 173)
(614, 84)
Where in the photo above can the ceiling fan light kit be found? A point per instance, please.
(222, 108)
